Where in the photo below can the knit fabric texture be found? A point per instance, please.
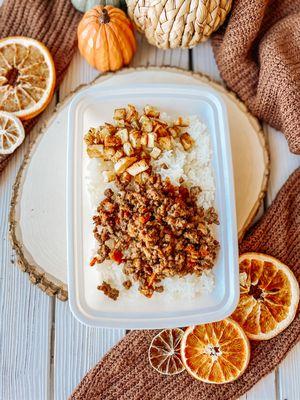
(258, 55)
(125, 373)
(53, 22)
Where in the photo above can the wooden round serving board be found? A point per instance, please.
(38, 210)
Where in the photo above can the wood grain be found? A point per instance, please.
(25, 313)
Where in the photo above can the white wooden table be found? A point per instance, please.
(44, 351)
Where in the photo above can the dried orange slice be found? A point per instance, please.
(11, 133)
(217, 352)
(164, 352)
(27, 76)
(269, 296)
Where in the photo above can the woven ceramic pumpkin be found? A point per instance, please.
(85, 5)
(106, 39)
(182, 23)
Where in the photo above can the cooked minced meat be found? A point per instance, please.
(108, 290)
(155, 230)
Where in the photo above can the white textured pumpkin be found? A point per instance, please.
(177, 23)
(85, 5)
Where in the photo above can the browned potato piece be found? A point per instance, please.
(138, 167)
(165, 143)
(120, 113)
(123, 163)
(135, 139)
(108, 176)
(95, 150)
(187, 141)
(112, 141)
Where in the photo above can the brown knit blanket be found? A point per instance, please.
(258, 55)
(53, 22)
(125, 373)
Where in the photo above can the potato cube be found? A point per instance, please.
(131, 113)
(135, 139)
(118, 154)
(128, 149)
(120, 113)
(123, 163)
(125, 177)
(151, 111)
(155, 152)
(174, 131)
(95, 150)
(138, 167)
(108, 176)
(108, 153)
(151, 139)
(123, 135)
(187, 141)
(135, 124)
(142, 178)
(144, 139)
(146, 123)
(165, 143)
(112, 141)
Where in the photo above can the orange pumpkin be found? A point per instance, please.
(106, 39)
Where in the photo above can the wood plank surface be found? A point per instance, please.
(25, 324)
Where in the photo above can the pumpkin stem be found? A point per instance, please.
(104, 17)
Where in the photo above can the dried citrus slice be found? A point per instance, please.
(164, 352)
(217, 352)
(269, 296)
(27, 76)
(11, 133)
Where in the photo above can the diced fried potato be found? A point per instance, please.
(112, 141)
(123, 163)
(144, 139)
(187, 141)
(111, 128)
(131, 113)
(146, 123)
(108, 153)
(135, 139)
(120, 113)
(152, 137)
(181, 122)
(108, 176)
(155, 153)
(90, 136)
(103, 133)
(138, 167)
(135, 124)
(125, 177)
(165, 143)
(142, 178)
(123, 135)
(174, 131)
(118, 154)
(151, 111)
(95, 150)
(128, 149)
(161, 130)
(120, 123)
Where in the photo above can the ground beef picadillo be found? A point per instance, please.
(155, 230)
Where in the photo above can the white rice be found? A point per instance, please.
(195, 167)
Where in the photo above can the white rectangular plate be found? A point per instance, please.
(95, 106)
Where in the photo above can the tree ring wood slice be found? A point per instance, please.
(38, 212)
